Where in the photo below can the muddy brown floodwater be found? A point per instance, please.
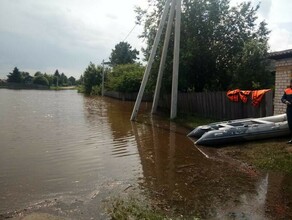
(64, 154)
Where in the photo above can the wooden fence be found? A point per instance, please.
(217, 105)
(208, 104)
(127, 96)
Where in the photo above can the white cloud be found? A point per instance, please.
(280, 39)
(63, 34)
(68, 34)
(277, 14)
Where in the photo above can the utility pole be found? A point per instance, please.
(173, 111)
(163, 58)
(150, 60)
(102, 83)
(175, 7)
(103, 72)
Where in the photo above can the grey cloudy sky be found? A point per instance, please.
(45, 35)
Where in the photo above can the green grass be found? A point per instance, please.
(267, 155)
(276, 159)
(191, 121)
(132, 209)
(63, 88)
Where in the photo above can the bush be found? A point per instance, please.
(96, 90)
(125, 78)
(92, 77)
(80, 89)
(41, 80)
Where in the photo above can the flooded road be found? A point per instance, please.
(64, 154)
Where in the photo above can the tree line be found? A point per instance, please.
(39, 78)
(221, 48)
(123, 74)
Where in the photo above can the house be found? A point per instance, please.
(283, 74)
(2, 82)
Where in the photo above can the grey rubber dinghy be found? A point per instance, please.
(241, 130)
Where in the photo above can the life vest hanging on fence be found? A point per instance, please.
(243, 94)
(237, 94)
(256, 95)
(233, 95)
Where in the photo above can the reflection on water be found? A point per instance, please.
(180, 177)
(60, 144)
(250, 206)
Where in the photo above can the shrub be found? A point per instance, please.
(40, 80)
(126, 78)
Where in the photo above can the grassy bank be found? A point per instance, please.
(132, 208)
(123, 209)
(63, 88)
(12, 85)
(37, 87)
(191, 121)
(266, 155)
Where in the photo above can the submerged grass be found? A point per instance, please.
(134, 209)
(121, 209)
(192, 121)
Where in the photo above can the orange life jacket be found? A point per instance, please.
(257, 96)
(243, 94)
(233, 95)
(288, 91)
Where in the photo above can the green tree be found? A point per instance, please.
(92, 77)
(38, 73)
(123, 54)
(56, 78)
(57, 73)
(71, 81)
(63, 80)
(80, 81)
(251, 72)
(40, 80)
(15, 76)
(27, 78)
(214, 43)
(50, 78)
(125, 78)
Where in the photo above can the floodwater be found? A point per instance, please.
(65, 154)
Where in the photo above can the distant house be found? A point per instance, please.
(283, 67)
(2, 82)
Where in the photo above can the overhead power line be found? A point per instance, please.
(136, 23)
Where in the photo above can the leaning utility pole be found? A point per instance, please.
(173, 3)
(175, 61)
(150, 61)
(163, 59)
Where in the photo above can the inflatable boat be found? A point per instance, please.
(241, 130)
